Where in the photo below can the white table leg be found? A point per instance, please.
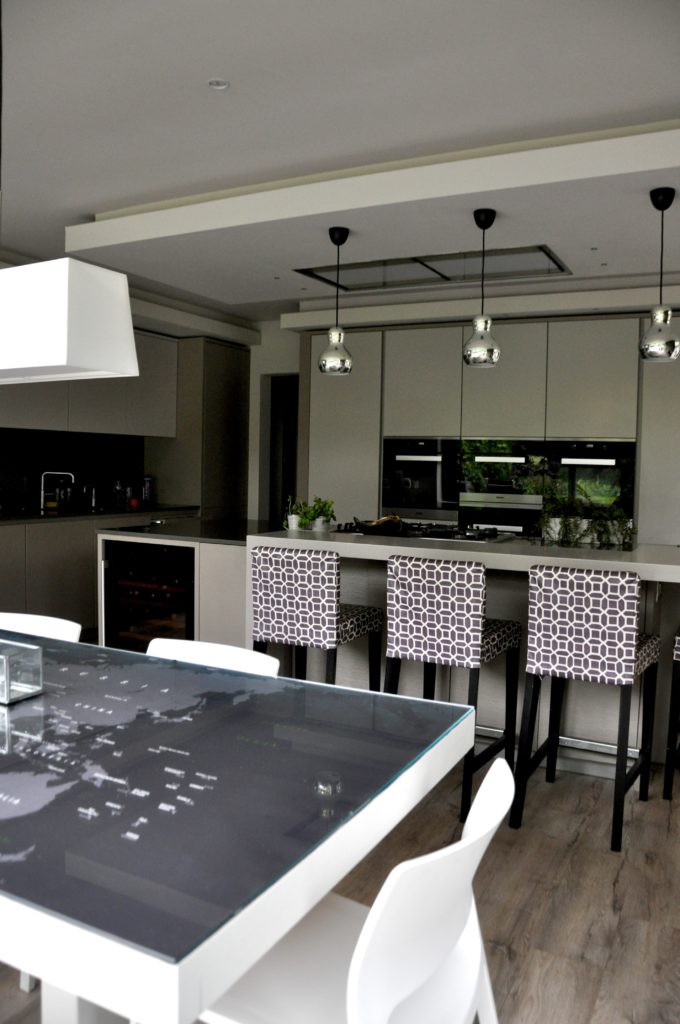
(59, 1007)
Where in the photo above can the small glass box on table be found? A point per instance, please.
(21, 671)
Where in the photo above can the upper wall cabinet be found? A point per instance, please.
(508, 400)
(592, 379)
(421, 382)
(40, 406)
(344, 429)
(144, 405)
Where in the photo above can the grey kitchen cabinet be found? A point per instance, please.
(422, 370)
(41, 406)
(222, 594)
(344, 428)
(508, 399)
(592, 379)
(60, 565)
(12, 567)
(206, 463)
(145, 405)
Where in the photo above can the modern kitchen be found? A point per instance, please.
(455, 335)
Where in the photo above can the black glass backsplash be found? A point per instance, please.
(106, 467)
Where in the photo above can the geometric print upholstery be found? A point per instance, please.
(583, 624)
(435, 613)
(676, 648)
(296, 600)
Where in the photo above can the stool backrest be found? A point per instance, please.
(435, 610)
(583, 624)
(296, 596)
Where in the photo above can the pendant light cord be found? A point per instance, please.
(661, 265)
(337, 285)
(483, 262)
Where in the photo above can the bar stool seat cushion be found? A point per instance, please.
(355, 620)
(499, 636)
(648, 652)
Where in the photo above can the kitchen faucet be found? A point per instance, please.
(49, 472)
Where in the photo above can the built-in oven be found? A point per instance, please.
(420, 477)
(501, 484)
(591, 473)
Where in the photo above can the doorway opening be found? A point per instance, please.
(282, 435)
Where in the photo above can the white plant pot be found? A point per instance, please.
(293, 522)
(319, 524)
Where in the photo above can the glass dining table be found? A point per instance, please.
(163, 824)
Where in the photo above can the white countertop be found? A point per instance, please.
(654, 562)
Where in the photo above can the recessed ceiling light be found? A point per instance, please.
(219, 84)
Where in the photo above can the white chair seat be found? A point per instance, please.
(314, 958)
(200, 652)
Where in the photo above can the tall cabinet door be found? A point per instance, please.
(421, 382)
(344, 429)
(592, 379)
(508, 399)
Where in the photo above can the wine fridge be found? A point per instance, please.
(148, 590)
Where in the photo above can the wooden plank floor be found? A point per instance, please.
(575, 934)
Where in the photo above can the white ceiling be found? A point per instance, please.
(106, 106)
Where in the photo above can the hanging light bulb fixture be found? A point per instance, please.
(336, 360)
(481, 349)
(660, 342)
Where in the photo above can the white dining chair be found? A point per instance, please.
(40, 625)
(416, 955)
(200, 652)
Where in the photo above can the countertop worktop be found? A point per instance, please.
(203, 531)
(654, 562)
(103, 513)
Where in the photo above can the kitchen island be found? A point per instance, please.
(590, 715)
(221, 595)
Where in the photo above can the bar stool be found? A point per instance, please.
(672, 751)
(435, 614)
(296, 601)
(583, 624)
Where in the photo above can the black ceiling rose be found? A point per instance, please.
(484, 218)
(662, 198)
(338, 236)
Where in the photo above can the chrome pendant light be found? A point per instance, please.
(336, 360)
(660, 343)
(481, 349)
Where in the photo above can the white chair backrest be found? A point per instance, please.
(40, 625)
(421, 911)
(200, 652)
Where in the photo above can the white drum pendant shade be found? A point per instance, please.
(65, 320)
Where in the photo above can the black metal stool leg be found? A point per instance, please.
(374, 655)
(299, 662)
(621, 764)
(331, 663)
(469, 760)
(532, 689)
(429, 676)
(392, 669)
(648, 705)
(672, 739)
(557, 688)
(511, 687)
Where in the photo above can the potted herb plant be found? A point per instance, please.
(323, 513)
(299, 514)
